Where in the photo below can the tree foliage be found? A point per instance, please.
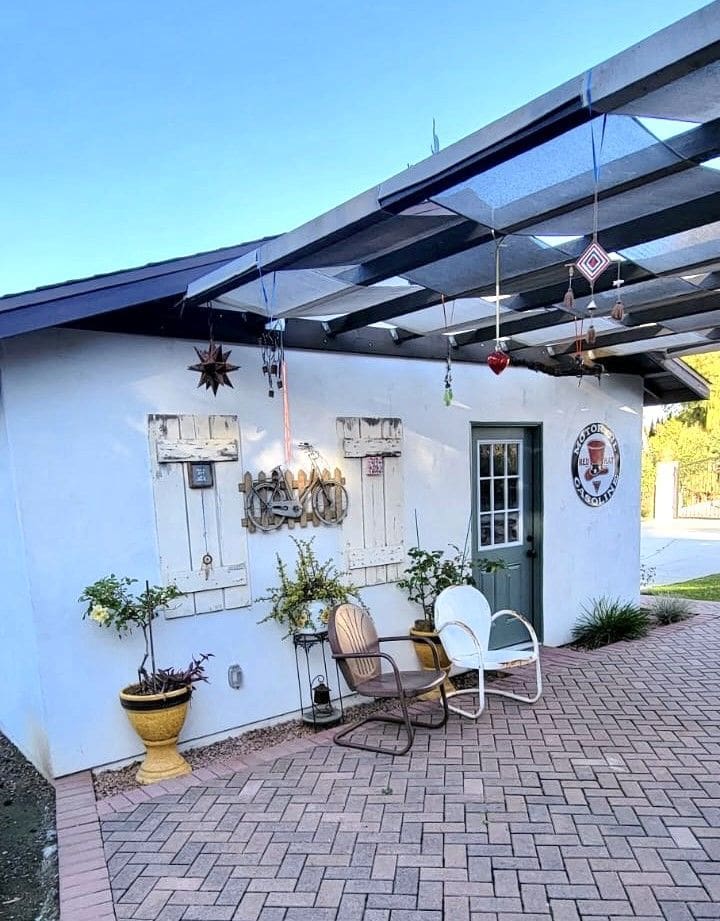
(689, 433)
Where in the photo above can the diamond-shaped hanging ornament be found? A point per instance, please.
(593, 262)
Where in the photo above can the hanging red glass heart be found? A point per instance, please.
(498, 361)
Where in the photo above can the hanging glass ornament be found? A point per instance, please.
(498, 359)
(448, 394)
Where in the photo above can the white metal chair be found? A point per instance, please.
(464, 621)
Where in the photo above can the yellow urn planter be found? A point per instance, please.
(426, 659)
(158, 720)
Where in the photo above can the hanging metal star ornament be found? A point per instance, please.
(214, 367)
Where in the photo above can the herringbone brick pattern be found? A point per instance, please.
(602, 801)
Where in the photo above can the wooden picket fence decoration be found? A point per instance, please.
(299, 492)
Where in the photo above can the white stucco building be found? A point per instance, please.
(100, 417)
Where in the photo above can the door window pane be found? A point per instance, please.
(499, 459)
(485, 460)
(499, 493)
(499, 530)
(485, 531)
(484, 495)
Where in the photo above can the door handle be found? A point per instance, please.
(531, 553)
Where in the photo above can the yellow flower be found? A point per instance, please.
(100, 614)
(325, 616)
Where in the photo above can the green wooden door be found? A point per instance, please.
(505, 520)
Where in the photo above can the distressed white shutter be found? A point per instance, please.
(373, 528)
(193, 522)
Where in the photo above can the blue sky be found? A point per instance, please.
(137, 131)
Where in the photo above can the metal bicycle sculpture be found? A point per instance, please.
(272, 502)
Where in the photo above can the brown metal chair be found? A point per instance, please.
(356, 647)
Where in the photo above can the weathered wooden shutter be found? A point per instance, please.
(194, 522)
(373, 528)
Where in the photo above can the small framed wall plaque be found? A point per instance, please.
(373, 465)
(200, 474)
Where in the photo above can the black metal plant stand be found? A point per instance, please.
(316, 715)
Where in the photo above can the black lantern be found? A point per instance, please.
(321, 696)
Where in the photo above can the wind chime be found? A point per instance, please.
(498, 359)
(273, 359)
(274, 363)
(213, 365)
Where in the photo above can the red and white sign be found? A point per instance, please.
(595, 464)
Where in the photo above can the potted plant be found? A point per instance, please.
(429, 572)
(301, 601)
(157, 703)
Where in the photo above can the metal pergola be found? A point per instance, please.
(645, 125)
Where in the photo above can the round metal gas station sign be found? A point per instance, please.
(595, 464)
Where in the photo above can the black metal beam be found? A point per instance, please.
(380, 313)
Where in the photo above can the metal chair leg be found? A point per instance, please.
(525, 700)
(406, 721)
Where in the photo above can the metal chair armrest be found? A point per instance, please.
(374, 655)
(474, 639)
(507, 612)
(414, 639)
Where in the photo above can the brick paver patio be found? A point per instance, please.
(601, 801)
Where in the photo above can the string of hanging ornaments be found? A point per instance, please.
(498, 359)
(213, 365)
(274, 362)
(448, 393)
(594, 260)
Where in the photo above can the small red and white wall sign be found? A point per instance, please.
(595, 464)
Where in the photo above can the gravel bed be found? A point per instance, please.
(28, 851)
(108, 783)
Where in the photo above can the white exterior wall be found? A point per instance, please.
(78, 431)
(22, 717)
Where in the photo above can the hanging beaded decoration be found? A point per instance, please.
(448, 393)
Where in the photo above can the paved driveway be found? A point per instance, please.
(602, 801)
(681, 549)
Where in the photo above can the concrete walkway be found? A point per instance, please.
(601, 801)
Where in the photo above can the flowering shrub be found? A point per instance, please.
(111, 603)
(312, 581)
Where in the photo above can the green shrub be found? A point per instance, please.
(670, 610)
(609, 620)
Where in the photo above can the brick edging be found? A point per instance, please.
(85, 893)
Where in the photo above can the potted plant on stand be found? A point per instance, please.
(157, 703)
(301, 601)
